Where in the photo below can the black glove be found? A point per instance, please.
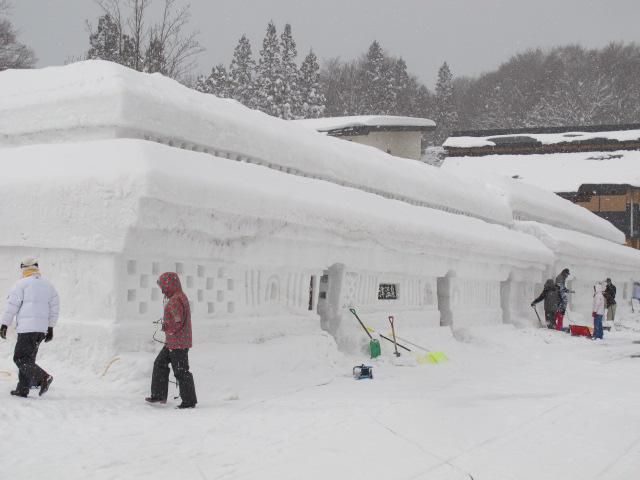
(533, 304)
(49, 335)
(3, 332)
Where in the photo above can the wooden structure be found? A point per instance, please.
(619, 204)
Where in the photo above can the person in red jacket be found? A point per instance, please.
(176, 324)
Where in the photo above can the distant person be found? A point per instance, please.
(561, 285)
(610, 300)
(635, 297)
(550, 296)
(598, 311)
(176, 324)
(34, 304)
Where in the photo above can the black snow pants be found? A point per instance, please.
(550, 317)
(24, 356)
(179, 360)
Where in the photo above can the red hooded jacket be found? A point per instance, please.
(177, 313)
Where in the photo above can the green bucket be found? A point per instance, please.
(374, 348)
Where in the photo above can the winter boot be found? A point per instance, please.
(46, 382)
(19, 393)
(186, 405)
(559, 319)
(155, 400)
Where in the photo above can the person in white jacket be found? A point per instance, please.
(598, 310)
(34, 304)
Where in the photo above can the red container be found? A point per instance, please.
(580, 330)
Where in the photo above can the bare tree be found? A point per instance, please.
(13, 54)
(179, 49)
(154, 47)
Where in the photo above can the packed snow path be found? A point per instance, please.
(510, 404)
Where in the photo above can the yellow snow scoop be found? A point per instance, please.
(430, 356)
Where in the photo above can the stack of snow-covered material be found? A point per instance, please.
(97, 100)
(581, 138)
(558, 172)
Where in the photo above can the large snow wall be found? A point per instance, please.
(109, 216)
(260, 218)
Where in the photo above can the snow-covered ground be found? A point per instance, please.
(113, 177)
(279, 401)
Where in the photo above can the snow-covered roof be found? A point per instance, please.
(557, 172)
(97, 99)
(541, 138)
(379, 122)
(142, 197)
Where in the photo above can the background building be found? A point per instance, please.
(398, 136)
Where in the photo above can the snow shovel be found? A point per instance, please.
(393, 332)
(430, 357)
(539, 320)
(396, 343)
(374, 345)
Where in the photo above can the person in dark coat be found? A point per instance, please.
(176, 324)
(610, 300)
(550, 296)
(561, 285)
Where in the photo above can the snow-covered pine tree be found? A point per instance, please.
(241, 74)
(446, 115)
(269, 83)
(13, 54)
(377, 82)
(154, 58)
(292, 106)
(128, 53)
(218, 81)
(313, 101)
(403, 89)
(201, 84)
(105, 41)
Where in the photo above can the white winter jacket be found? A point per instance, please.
(34, 303)
(598, 301)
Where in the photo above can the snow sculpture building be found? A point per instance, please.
(111, 177)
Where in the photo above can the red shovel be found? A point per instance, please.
(393, 331)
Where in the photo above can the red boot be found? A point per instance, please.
(559, 318)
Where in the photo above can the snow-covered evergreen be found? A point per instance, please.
(292, 105)
(269, 81)
(446, 115)
(375, 82)
(402, 89)
(105, 41)
(242, 74)
(154, 58)
(217, 83)
(312, 98)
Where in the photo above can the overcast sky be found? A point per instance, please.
(473, 36)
